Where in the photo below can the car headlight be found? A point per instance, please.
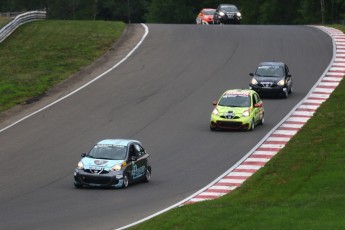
(254, 81)
(246, 113)
(118, 166)
(221, 13)
(238, 14)
(281, 82)
(80, 165)
(215, 111)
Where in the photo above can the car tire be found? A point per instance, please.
(262, 121)
(147, 175)
(285, 94)
(252, 126)
(76, 185)
(213, 128)
(125, 182)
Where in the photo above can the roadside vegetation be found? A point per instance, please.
(40, 54)
(302, 187)
(3, 21)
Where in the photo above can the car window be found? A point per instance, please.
(270, 71)
(209, 12)
(287, 70)
(111, 152)
(233, 100)
(140, 151)
(229, 8)
(256, 98)
(131, 151)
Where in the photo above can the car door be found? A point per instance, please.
(288, 77)
(257, 108)
(140, 163)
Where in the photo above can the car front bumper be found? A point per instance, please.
(87, 179)
(243, 123)
(229, 20)
(275, 90)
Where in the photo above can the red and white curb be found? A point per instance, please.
(284, 131)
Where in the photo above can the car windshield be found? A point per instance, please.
(231, 100)
(110, 152)
(209, 12)
(270, 71)
(229, 8)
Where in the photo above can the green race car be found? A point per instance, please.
(237, 109)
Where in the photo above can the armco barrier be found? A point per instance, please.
(20, 20)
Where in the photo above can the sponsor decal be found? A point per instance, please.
(100, 162)
(137, 172)
(236, 93)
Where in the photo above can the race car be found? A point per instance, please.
(272, 78)
(113, 163)
(227, 14)
(205, 16)
(237, 109)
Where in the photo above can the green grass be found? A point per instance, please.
(3, 21)
(43, 53)
(302, 187)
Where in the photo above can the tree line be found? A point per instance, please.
(184, 11)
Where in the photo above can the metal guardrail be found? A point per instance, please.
(30, 16)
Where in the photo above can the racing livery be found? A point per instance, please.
(113, 163)
(237, 109)
(272, 78)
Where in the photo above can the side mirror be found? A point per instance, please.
(251, 74)
(83, 154)
(258, 105)
(214, 103)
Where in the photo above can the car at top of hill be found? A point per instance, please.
(227, 14)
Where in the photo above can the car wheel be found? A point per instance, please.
(252, 127)
(262, 120)
(285, 94)
(147, 175)
(76, 185)
(125, 182)
(213, 128)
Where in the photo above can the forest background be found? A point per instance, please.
(283, 12)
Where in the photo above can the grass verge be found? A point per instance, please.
(3, 21)
(43, 53)
(302, 187)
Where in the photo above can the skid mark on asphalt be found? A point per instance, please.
(284, 131)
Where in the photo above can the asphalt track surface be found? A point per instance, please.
(162, 95)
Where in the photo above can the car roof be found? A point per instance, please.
(272, 63)
(122, 142)
(227, 5)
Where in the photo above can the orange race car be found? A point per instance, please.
(205, 16)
